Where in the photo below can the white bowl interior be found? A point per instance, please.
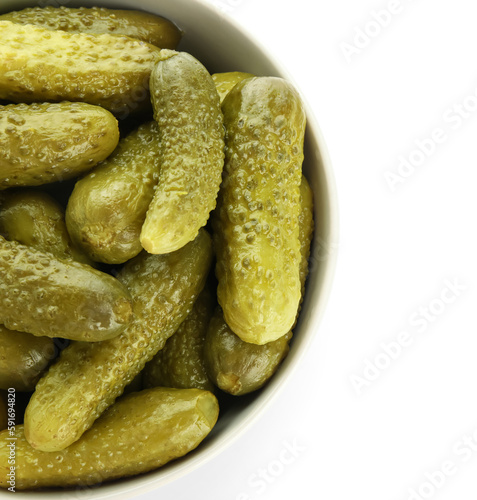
(221, 45)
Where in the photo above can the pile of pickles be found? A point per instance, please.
(155, 233)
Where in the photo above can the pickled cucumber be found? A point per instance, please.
(181, 362)
(35, 150)
(225, 82)
(87, 377)
(238, 367)
(139, 433)
(39, 65)
(141, 25)
(256, 231)
(107, 208)
(187, 110)
(52, 297)
(23, 359)
(35, 219)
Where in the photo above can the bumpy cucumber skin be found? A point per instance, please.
(35, 149)
(35, 219)
(238, 367)
(46, 296)
(87, 378)
(40, 65)
(107, 208)
(23, 359)
(256, 231)
(141, 25)
(180, 363)
(187, 110)
(225, 82)
(139, 433)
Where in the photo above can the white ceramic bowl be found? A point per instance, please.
(222, 45)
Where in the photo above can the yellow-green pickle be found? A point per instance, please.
(256, 232)
(35, 150)
(107, 208)
(88, 377)
(23, 359)
(140, 432)
(181, 362)
(141, 25)
(47, 296)
(238, 367)
(35, 219)
(225, 82)
(39, 65)
(187, 110)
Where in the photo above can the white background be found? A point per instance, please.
(398, 251)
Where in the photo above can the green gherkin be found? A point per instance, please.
(256, 231)
(107, 208)
(225, 82)
(181, 362)
(47, 296)
(141, 25)
(238, 367)
(35, 150)
(187, 110)
(39, 65)
(35, 219)
(140, 432)
(23, 359)
(87, 378)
